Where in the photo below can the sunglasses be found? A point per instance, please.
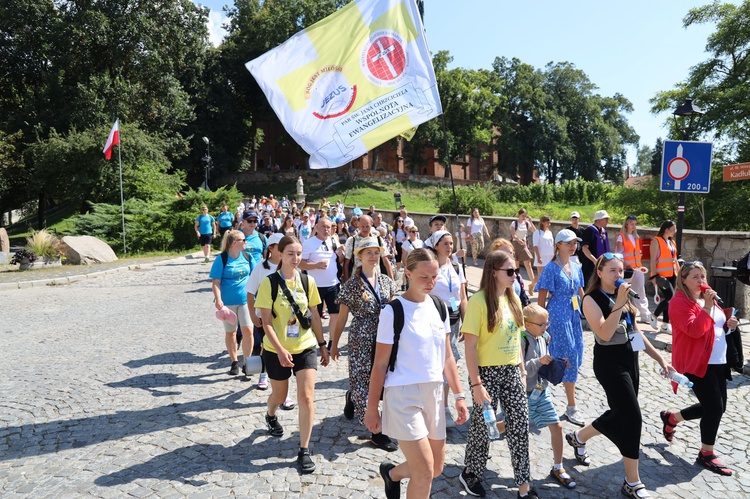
(692, 264)
(413, 231)
(508, 272)
(631, 217)
(610, 256)
(253, 221)
(540, 324)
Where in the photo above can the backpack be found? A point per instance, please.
(276, 279)
(398, 323)
(743, 273)
(225, 257)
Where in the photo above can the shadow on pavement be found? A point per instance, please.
(48, 438)
(173, 358)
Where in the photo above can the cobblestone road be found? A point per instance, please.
(117, 385)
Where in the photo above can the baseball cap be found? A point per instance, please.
(249, 214)
(438, 217)
(575, 214)
(600, 215)
(565, 236)
(274, 238)
(226, 315)
(554, 371)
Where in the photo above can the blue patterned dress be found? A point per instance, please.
(564, 322)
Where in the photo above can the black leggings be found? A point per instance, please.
(711, 391)
(666, 293)
(616, 369)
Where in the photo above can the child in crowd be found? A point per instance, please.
(541, 410)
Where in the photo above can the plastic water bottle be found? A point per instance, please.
(680, 379)
(491, 421)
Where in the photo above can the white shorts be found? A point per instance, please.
(413, 412)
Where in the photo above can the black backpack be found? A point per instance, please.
(275, 279)
(225, 257)
(398, 323)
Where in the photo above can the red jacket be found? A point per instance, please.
(692, 336)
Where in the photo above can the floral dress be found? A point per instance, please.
(564, 321)
(363, 305)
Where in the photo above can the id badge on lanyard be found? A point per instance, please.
(292, 331)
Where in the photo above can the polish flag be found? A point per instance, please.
(114, 138)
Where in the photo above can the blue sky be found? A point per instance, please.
(636, 48)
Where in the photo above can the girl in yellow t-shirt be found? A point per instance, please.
(492, 334)
(288, 347)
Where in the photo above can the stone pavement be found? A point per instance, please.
(116, 385)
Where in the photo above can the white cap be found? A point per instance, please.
(275, 238)
(566, 235)
(575, 214)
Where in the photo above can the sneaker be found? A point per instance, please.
(449, 421)
(637, 491)
(205, 260)
(274, 427)
(563, 478)
(392, 488)
(263, 381)
(234, 370)
(288, 405)
(383, 442)
(653, 322)
(532, 494)
(472, 484)
(573, 415)
(666, 328)
(305, 461)
(325, 315)
(349, 406)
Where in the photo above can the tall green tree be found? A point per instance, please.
(720, 85)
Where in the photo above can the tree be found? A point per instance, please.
(721, 84)
(656, 157)
(74, 65)
(642, 164)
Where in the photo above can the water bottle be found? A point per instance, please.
(680, 379)
(491, 421)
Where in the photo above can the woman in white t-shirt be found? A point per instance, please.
(411, 244)
(450, 288)
(412, 388)
(519, 232)
(476, 229)
(544, 247)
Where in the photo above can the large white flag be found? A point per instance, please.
(352, 81)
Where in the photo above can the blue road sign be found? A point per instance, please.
(686, 166)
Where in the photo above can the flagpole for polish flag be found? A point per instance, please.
(122, 199)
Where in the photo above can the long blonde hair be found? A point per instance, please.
(230, 237)
(488, 284)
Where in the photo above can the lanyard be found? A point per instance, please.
(450, 276)
(628, 320)
(375, 290)
(294, 290)
(570, 277)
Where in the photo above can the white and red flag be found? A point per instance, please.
(114, 138)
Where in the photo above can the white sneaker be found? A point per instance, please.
(652, 320)
(574, 416)
(449, 421)
(666, 328)
(288, 405)
(263, 381)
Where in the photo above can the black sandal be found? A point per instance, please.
(712, 463)
(581, 458)
(665, 430)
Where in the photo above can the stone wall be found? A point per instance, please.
(713, 248)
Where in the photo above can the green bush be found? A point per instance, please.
(153, 226)
(480, 197)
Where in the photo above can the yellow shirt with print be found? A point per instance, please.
(284, 312)
(502, 346)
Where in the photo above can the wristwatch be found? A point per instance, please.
(322, 344)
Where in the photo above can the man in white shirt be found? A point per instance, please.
(320, 254)
(365, 230)
(408, 221)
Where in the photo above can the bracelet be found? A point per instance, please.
(616, 309)
(478, 383)
(322, 344)
(459, 396)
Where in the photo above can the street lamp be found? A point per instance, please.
(684, 118)
(208, 164)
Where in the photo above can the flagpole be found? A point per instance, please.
(122, 197)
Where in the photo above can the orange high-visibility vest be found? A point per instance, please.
(631, 253)
(666, 265)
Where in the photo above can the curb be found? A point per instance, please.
(58, 281)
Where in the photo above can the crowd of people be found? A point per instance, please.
(283, 269)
